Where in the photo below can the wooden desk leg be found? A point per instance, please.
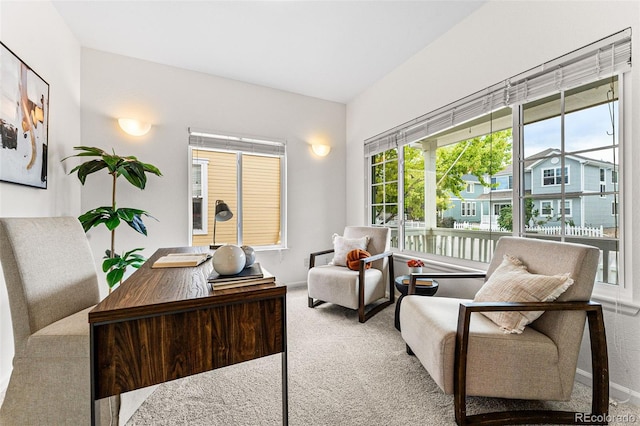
(285, 391)
(95, 408)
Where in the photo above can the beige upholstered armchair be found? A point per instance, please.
(336, 283)
(52, 285)
(468, 353)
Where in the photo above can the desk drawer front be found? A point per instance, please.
(147, 351)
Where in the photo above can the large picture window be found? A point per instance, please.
(249, 177)
(534, 157)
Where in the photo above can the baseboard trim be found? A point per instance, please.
(617, 394)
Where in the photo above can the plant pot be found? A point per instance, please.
(415, 269)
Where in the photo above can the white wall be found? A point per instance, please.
(499, 40)
(174, 100)
(36, 33)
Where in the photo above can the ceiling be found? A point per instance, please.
(330, 50)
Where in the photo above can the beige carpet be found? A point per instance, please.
(341, 372)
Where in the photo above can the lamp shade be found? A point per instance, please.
(134, 127)
(321, 150)
(222, 211)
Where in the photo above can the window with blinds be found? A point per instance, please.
(540, 151)
(248, 175)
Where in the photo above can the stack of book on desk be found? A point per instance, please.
(250, 275)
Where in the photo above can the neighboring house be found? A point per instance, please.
(588, 197)
(468, 207)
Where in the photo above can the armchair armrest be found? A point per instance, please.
(312, 256)
(361, 269)
(374, 258)
(599, 357)
(433, 275)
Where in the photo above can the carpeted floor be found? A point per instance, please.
(341, 372)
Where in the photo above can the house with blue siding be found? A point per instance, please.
(589, 187)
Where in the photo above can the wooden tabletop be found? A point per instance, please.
(150, 291)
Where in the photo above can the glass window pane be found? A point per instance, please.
(391, 171)
(377, 194)
(574, 192)
(260, 200)
(221, 185)
(377, 174)
(414, 208)
(447, 182)
(541, 133)
(591, 117)
(391, 193)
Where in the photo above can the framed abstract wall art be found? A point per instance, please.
(24, 122)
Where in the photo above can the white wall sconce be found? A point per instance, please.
(134, 127)
(321, 150)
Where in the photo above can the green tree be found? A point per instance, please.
(505, 219)
(413, 183)
(481, 156)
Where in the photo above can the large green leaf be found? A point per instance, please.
(114, 276)
(130, 167)
(134, 173)
(95, 217)
(87, 168)
(118, 265)
(112, 218)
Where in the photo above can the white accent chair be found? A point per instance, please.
(341, 286)
(466, 353)
(52, 285)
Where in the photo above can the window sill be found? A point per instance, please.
(270, 248)
(609, 298)
(615, 304)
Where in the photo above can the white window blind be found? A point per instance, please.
(604, 58)
(204, 139)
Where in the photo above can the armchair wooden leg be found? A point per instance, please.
(314, 303)
(410, 351)
(600, 385)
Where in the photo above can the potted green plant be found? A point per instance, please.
(135, 172)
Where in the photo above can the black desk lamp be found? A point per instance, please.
(222, 214)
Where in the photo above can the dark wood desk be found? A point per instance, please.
(164, 324)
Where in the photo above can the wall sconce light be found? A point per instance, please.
(134, 127)
(321, 150)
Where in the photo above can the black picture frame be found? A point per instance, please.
(24, 122)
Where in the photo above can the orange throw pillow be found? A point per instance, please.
(353, 259)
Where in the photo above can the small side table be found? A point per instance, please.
(424, 287)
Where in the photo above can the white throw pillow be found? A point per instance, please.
(511, 282)
(342, 246)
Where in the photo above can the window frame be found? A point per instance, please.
(204, 189)
(236, 145)
(468, 209)
(542, 204)
(563, 211)
(471, 187)
(536, 84)
(555, 176)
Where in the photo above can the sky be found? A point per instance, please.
(589, 128)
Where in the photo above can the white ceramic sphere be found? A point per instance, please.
(229, 260)
(250, 254)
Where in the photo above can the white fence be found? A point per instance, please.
(477, 245)
(575, 231)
